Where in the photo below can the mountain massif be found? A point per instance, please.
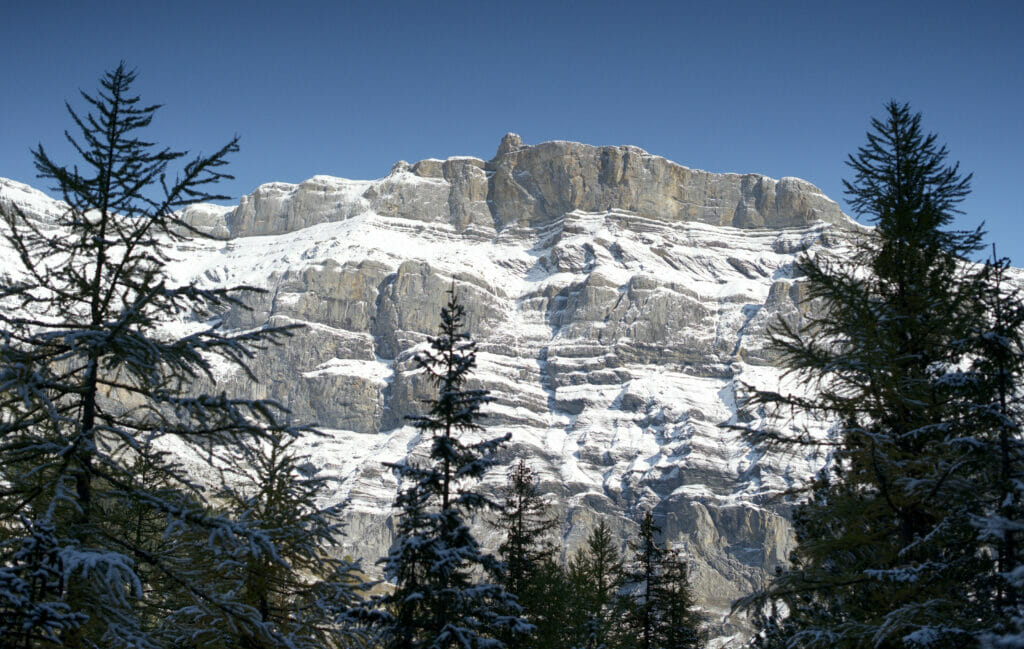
(620, 302)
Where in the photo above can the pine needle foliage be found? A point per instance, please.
(31, 584)
(440, 597)
(642, 579)
(595, 572)
(681, 624)
(887, 553)
(94, 391)
(998, 370)
(659, 611)
(528, 553)
(312, 597)
(527, 522)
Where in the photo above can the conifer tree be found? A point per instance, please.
(529, 571)
(657, 603)
(94, 390)
(311, 597)
(680, 624)
(595, 574)
(527, 524)
(997, 370)
(642, 581)
(436, 564)
(31, 583)
(550, 606)
(887, 555)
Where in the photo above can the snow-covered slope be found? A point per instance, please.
(618, 299)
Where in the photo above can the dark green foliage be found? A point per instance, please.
(642, 582)
(998, 367)
(528, 555)
(527, 524)
(658, 611)
(550, 605)
(95, 390)
(313, 599)
(888, 552)
(435, 563)
(681, 625)
(595, 575)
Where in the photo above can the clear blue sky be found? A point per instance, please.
(348, 88)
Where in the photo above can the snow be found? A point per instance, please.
(378, 371)
(603, 432)
(721, 267)
(212, 209)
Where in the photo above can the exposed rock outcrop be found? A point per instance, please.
(532, 187)
(619, 300)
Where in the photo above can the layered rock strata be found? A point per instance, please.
(619, 301)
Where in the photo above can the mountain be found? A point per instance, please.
(619, 300)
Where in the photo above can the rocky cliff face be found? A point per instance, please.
(530, 188)
(619, 300)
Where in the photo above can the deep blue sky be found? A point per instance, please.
(346, 89)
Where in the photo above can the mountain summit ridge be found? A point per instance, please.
(538, 181)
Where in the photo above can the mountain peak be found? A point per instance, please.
(509, 142)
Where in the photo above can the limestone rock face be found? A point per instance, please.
(532, 187)
(619, 301)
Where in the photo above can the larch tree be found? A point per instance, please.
(887, 551)
(441, 598)
(313, 598)
(100, 521)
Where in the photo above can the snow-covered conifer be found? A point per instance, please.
(680, 624)
(657, 600)
(95, 393)
(31, 583)
(997, 371)
(641, 579)
(888, 552)
(441, 597)
(526, 522)
(302, 590)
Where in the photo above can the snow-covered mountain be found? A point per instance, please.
(618, 299)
